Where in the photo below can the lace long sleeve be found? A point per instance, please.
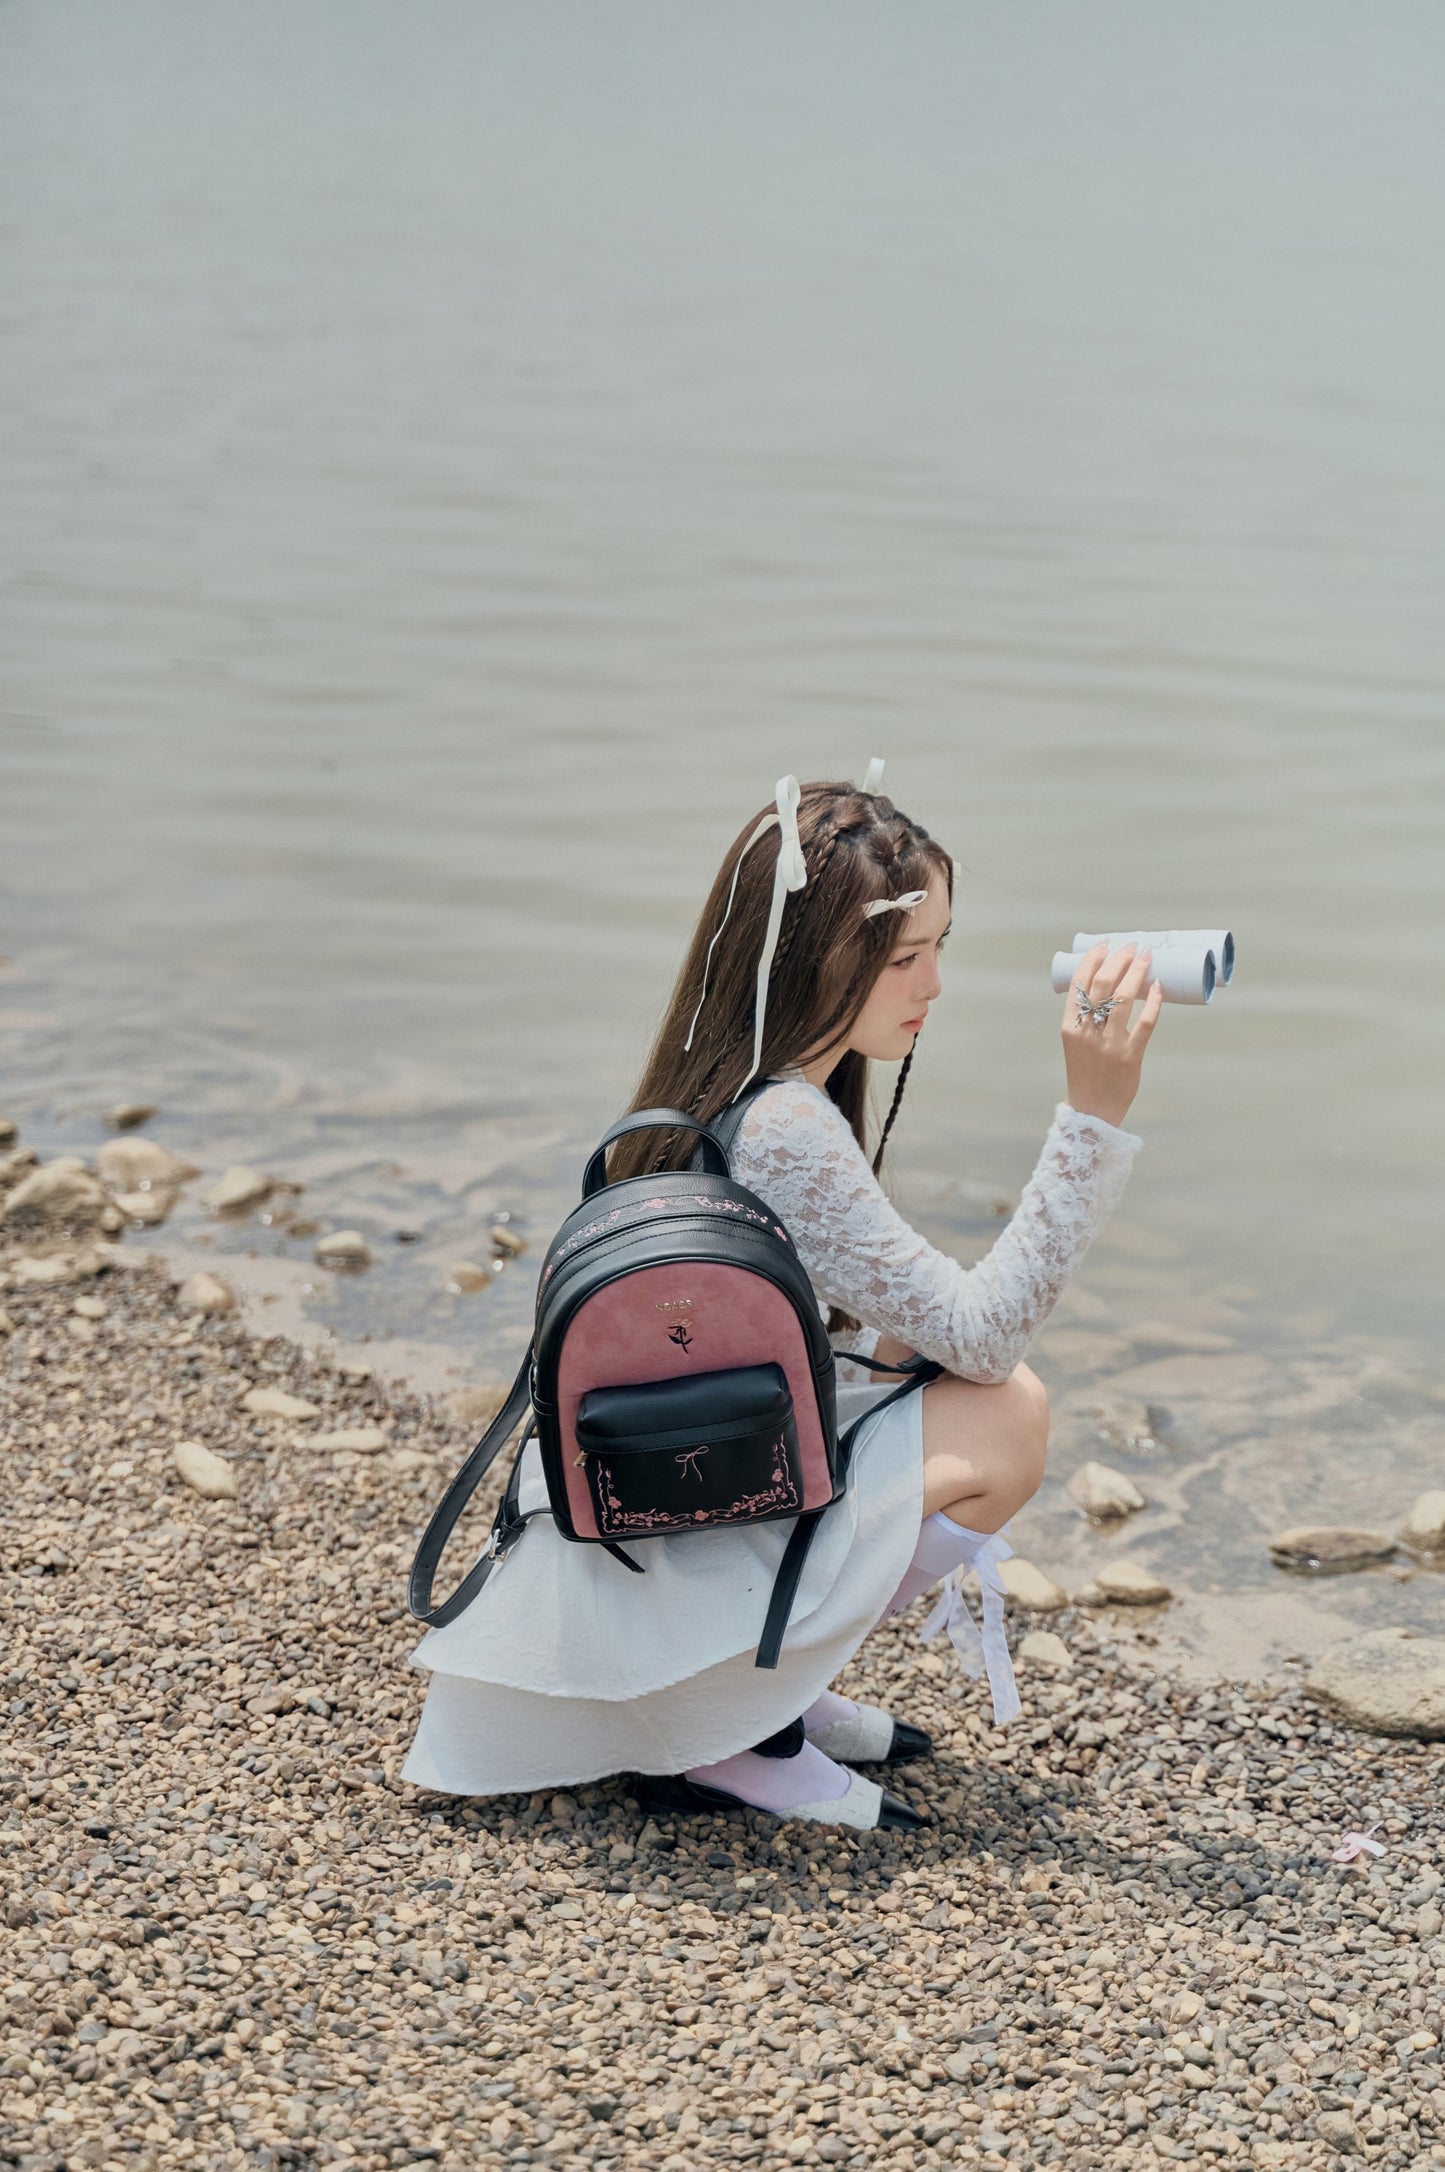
(796, 1150)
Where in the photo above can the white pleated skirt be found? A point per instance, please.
(567, 1667)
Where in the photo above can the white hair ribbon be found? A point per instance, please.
(906, 903)
(791, 874)
(872, 775)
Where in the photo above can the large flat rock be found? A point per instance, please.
(1329, 1549)
(1389, 1681)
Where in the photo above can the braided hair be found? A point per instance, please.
(894, 1106)
(857, 848)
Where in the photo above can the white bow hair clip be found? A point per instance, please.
(906, 903)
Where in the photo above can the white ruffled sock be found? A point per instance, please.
(943, 1546)
(948, 1550)
(777, 1783)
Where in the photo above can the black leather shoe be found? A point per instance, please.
(908, 1741)
(871, 1737)
(897, 1817)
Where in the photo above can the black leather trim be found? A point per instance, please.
(684, 1411)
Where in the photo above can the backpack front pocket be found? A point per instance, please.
(679, 1455)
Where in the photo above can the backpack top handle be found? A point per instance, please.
(714, 1155)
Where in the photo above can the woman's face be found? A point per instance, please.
(898, 1003)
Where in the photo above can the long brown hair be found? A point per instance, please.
(856, 847)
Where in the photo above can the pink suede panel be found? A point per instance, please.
(621, 1338)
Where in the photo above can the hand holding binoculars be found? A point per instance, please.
(1188, 963)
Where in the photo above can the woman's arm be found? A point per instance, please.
(799, 1153)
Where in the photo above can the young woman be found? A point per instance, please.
(810, 961)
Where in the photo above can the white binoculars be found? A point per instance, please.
(1188, 963)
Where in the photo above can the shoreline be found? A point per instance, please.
(1244, 1438)
(237, 1940)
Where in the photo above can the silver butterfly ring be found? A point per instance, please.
(1097, 1011)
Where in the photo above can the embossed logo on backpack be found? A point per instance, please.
(678, 1331)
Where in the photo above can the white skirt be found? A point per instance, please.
(567, 1667)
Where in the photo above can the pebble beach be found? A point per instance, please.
(236, 1939)
(454, 461)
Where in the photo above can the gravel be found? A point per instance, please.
(236, 1940)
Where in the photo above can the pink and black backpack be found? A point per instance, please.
(680, 1377)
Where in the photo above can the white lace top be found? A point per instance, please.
(796, 1150)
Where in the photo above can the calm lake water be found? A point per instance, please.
(454, 458)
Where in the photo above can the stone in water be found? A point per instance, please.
(1029, 1587)
(1130, 1585)
(1329, 1550)
(132, 1165)
(127, 1114)
(237, 1189)
(1424, 1531)
(345, 1248)
(146, 1209)
(1126, 1425)
(1104, 1493)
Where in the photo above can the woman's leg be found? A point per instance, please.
(983, 1447)
(983, 1458)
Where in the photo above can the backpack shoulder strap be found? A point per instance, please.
(919, 1371)
(726, 1125)
(449, 1509)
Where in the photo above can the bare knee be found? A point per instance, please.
(1031, 1421)
(984, 1446)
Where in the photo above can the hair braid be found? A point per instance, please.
(904, 1070)
(825, 851)
(663, 1158)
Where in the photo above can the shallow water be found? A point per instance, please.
(453, 461)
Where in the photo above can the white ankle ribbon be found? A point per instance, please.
(976, 1652)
